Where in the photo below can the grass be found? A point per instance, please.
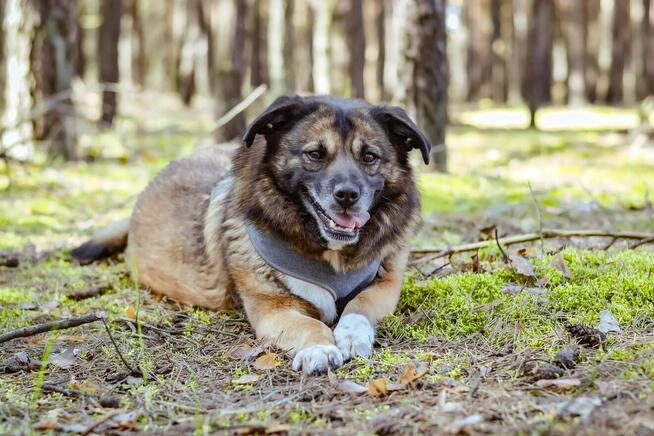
(467, 323)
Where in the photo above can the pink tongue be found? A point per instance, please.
(349, 221)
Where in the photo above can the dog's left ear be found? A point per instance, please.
(401, 130)
(275, 118)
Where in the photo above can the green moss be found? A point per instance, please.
(466, 304)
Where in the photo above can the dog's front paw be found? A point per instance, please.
(354, 336)
(316, 359)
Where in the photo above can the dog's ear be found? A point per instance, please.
(275, 118)
(401, 130)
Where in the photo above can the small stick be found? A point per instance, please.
(129, 368)
(47, 387)
(497, 241)
(59, 324)
(528, 237)
(247, 101)
(83, 294)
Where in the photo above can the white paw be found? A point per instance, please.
(354, 336)
(315, 359)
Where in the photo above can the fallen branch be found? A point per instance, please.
(244, 104)
(435, 253)
(59, 324)
(85, 293)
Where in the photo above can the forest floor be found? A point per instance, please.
(481, 342)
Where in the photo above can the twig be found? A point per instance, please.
(87, 292)
(127, 365)
(244, 104)
(643, 242)
(97, 424)
(499, 245)
(47, 387)
(540, 219)
(528, 237)
(59, 324)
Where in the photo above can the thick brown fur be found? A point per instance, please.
(195, 249)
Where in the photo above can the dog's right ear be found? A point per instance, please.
(275, 118)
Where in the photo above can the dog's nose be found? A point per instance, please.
(346, 194)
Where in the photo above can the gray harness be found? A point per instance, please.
(284, 258)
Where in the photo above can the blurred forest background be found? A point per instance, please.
(69, 67)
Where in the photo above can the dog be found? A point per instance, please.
(306, 225)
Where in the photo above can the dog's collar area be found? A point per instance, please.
(284, 258)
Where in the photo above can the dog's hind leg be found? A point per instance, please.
(110, 240)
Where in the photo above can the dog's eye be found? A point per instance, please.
(370, 158)
(315, 154)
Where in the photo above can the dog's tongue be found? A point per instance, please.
(349, 221)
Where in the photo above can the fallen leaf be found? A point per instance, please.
(65, 359)
(267, 361)
(351, 387)
(246, 379)
(522, 266)
(378, 387)
(559, 384)
(608, 323)
(411, 374)
(130, 312)
(558, 262)
(244, 352)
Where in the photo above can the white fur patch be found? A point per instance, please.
(354, 336)
(316, 295)
(315, 359)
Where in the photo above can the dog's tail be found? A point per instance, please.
(110, 240)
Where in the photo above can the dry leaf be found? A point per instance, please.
(522, 266)
(411, 374)
(246, 379)
(608, 323)
(244, 352)
(65, 359)
(559, 384)
(377, 387)
(351, 387)
(130, 312)
(267, 361)
(558, 262)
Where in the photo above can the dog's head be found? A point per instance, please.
(335, 162)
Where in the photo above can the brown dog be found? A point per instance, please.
(308, 225)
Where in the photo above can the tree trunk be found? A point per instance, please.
(232, 77)
(138, 44)
(108, 35)
(289, 46)
(425, 72)
(304, 47)
(357, 43)
(380, 27)
(2, 66)
(590, 25)
(276, 46)
(475, 63)
(196, 52)
(647, 37)
(572, 23)
(259, 56)
(537, 87)
(498, 49)
(620, 52)
(53, 65)
(320, 48)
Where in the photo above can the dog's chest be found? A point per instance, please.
(314, 294)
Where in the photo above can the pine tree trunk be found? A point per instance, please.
(380, 27)
(320, 49)
(647, 37)
(108, 35)
(590, 25)
(499, 84)
(475, 52)
(537, 87)
(276, 46)
(232, 78)
(289, 46)
(357, 43)
(304, 47)
(3, 80)
(620, 52)
(53, 65)
(138, 45)
(259, 57)
(572, 22)
(425, 72)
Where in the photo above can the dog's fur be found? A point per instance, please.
(194, 248)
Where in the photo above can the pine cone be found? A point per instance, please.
(586, 335)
